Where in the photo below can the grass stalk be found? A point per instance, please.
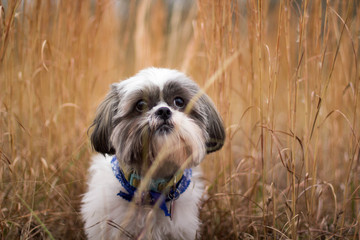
(33, 214)
(284, 76)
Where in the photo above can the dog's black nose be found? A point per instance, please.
(164, 113)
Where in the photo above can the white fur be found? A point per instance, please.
(102, 208)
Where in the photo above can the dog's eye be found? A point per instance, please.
(141, 106)
(179, 102)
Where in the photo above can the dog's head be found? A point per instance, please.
(157, 112)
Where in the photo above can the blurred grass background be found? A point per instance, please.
(283, 74)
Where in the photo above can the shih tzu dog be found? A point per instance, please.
(152, 131)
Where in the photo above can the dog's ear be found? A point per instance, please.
(103, 123)
(214, 125)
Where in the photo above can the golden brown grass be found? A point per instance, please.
(284, 75)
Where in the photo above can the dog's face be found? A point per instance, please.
(157, 112)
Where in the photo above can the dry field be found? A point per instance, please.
(284, 75)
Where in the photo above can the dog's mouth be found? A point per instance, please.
(164, 128)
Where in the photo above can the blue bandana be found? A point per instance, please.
(173, 194)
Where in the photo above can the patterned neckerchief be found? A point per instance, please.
(152, 196)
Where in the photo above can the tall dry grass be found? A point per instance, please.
(284, 75)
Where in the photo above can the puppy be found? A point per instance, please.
(152, 130)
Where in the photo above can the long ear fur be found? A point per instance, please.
(103, 122)
(215, 126)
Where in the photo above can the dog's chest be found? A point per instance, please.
(108, 216)
(142, 220)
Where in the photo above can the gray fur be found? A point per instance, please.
(103, 122)
(214, 125)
